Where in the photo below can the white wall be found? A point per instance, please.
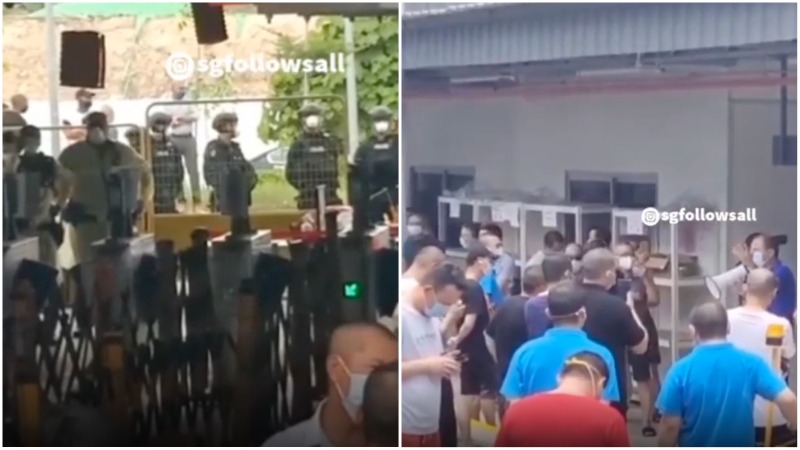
(755, 182)
(517, 144)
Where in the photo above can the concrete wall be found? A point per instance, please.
(755, 182)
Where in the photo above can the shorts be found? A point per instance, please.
(427, 440)
(782, 436)
(479, 375)
(641, 366)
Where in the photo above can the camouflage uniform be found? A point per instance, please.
(313, 160)
(222, 154)
(167, 165)
(375, 169)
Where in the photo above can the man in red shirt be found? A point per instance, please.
(572, 415)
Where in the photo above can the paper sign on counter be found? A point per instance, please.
(455, 209)
(634, 224)
(511, 215)
(549, 218)
(497, 213)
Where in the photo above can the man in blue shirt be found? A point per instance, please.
(535, 366)
(762, 251)
(498, 286)
(707, 398)
(555, 269)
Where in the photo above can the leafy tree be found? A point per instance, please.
(376, 55)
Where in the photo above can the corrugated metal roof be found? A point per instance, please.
(418, 10)
(621, 29)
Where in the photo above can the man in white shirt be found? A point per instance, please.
(74, 117)
(355, 350)
(181, 136)
(424, 361)
(749, 326)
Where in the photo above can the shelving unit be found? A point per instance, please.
(552, 217)
(504, 213)
(673, 335)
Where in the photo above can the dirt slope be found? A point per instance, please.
(135, 68)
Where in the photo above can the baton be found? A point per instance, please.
(774, 336)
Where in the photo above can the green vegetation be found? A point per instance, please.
(376, 46)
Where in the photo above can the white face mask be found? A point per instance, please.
(759, 259)
(414, 230)
(31, 146)
(96, 136)
(464, 242)
(355, 393)
(576, 266)
(312, 121)
(381, 127)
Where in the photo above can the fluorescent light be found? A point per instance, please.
(622, 71)
(499, 79)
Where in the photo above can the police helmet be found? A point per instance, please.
(222, 121)
(159, 121)
(133, 133)
(381, 113)
(310, 109)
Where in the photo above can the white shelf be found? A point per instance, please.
(680, 282)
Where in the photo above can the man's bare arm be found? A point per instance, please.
(787, 404)
(669, 432)
(411, 369)
(466, 327)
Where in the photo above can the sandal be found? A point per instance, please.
(649, 432)
(656, 417)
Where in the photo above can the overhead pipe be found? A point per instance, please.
(616, 86)
(784, 107)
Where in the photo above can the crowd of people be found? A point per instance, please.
(552, 362)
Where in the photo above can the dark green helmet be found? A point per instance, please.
(381, 113)
(223, 120)
(159, 120)
(310, 109)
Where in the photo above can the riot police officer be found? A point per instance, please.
(374, 170)
(224, 153)
(167, 165)
(42, 222)
(313, 160)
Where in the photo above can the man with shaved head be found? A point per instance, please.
(355, 350)
(425, 363)
(610, 320)
(381, 402)
(762, 251)
(749, 326)
(708, 396)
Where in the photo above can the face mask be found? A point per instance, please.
(576, 266)
(355, 394)
(9, 160)
(759, 259)
(96, 136)
(84, 105)
(625, 263)
(381, 127)
(414, 230)
(312, 122)
(31, 146)
(179, 95)
(464, 242)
